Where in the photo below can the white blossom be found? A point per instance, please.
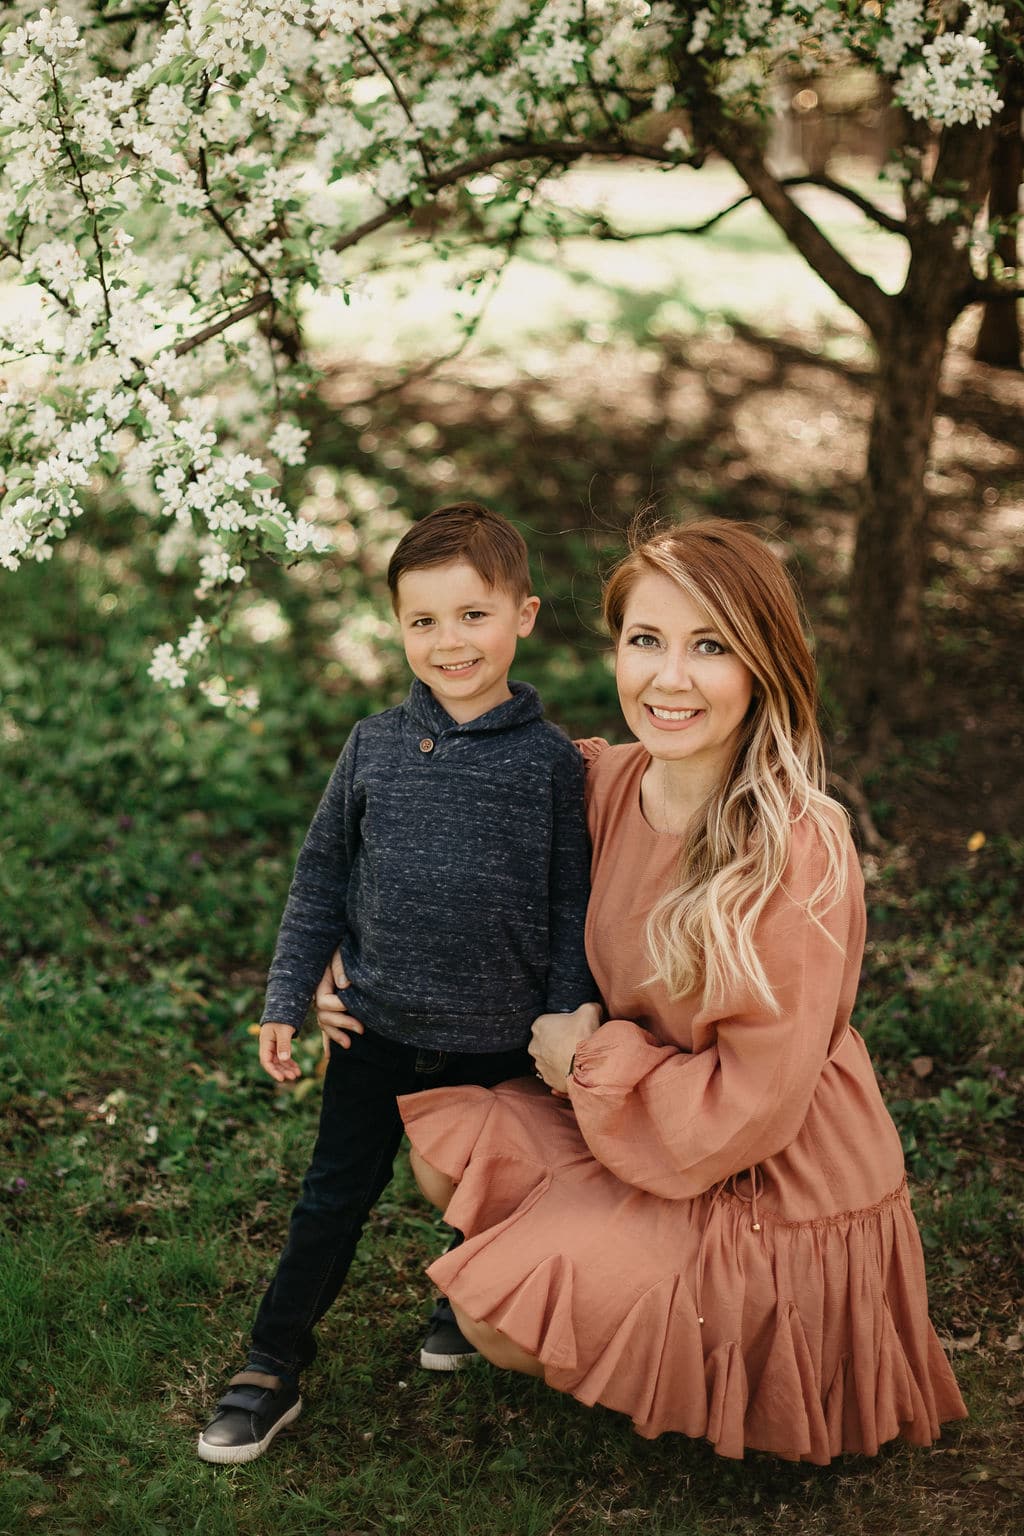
(59, 266)
(194, 641)
(701, 28)
(166, 668)
(158, 186)
(941, 208)
(951, 83)
(983, 16)
(394, 180)
(287, 442)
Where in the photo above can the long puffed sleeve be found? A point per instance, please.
(675, 1123)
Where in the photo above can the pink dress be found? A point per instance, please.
(713, 1234)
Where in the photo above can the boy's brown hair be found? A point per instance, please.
(467, 531)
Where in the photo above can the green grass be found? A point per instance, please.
(148, 1168)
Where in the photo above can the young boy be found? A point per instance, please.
(449, 861)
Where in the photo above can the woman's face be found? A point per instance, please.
(683, 693)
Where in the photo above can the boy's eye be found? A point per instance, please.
(474, 613)
(420, 623)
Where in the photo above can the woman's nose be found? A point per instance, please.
(674, 671)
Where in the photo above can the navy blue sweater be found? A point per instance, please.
(451, 862)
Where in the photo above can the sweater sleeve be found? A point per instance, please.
(676, 1123)
(569, 980)
(314, 914)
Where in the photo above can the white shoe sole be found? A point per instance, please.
(237, 1455)
(432, 1362)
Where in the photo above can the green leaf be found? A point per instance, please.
(258, 57)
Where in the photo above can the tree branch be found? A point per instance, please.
(154, 12)
(981, 291)
(511, 244)
(387, 72)
(222, 223)
(558, 152)
(863, 295)
(887, 221)
(253, 306)
(87, 201)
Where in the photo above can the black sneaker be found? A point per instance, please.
(248, 1416)
(445, 1348)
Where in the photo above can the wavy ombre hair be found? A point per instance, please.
(701, 933)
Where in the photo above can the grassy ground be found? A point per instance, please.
(145, 848)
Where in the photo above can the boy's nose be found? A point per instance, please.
(447, 637)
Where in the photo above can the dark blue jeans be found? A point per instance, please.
(353, 1160)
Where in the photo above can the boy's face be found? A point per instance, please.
(460, 635)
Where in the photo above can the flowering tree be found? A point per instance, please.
(177, 178)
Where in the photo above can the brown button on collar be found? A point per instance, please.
(426, 745)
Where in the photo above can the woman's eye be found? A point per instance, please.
(643, 642)
(710, 648)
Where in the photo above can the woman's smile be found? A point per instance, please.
(670, 719)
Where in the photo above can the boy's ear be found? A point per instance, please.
(527, 615)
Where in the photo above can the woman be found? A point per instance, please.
(698, 1214)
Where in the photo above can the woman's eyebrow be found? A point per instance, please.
(704, 629)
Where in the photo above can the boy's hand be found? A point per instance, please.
(332, 1016)
(276, 1053)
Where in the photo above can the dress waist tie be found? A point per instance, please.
(756, 1186)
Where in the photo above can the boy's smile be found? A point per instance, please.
(460, 635)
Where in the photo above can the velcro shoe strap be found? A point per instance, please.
(257, 1379)
(249, 1399)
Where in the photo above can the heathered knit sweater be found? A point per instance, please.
(451, 862)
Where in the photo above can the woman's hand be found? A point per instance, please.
(554, 1040)
(332, 1016)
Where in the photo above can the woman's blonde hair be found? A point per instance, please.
(701, 933)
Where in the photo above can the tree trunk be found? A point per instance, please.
(882, 673)
(999, 341)
(883, 682)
